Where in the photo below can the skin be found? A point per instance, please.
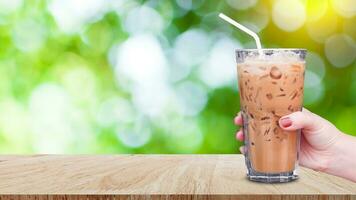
(323, 147)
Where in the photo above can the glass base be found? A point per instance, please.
(272, 177)
(282, 177)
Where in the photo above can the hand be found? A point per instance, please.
(322, 145)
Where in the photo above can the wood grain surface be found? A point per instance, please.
(154, 177)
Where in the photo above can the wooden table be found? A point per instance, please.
(154, 177)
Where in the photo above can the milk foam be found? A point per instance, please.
(275, 57)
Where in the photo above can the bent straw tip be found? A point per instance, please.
(222, 15)
(243, 28)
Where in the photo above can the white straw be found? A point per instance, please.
(244, 29)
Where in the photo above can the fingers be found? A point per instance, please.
(300, 120)
(240, 135)
(238, 119)
(242, 149)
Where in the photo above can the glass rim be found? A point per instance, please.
(272, 49)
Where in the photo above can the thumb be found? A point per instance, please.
(301, 120)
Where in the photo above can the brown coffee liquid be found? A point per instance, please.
(269, 91)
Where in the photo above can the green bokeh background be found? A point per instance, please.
(66, 85)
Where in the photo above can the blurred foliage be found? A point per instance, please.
(156, 76)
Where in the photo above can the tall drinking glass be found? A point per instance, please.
(270, 86)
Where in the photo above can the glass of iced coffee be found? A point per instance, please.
(270, 86)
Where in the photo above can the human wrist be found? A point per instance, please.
(341, 163)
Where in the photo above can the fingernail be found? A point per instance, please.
(242, 149)
(286, 122)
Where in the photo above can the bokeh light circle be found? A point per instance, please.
(288, 15)
(135, 136)
(29, 35)
(7, 7)
(320, 30)
(313, 88)
(189, 4)
(340, 50)
(251, 26)
(219, 69)
(192, 98)
(256, 19)
(143, 19)
(140, 59)
(71, 15)
(313, 94)
(122, 7)
(311, 79)
(190, 49)
(241, 4)
(152, 99)
(315, 64)
(345, 8)
(115, 110)
(185, 4)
